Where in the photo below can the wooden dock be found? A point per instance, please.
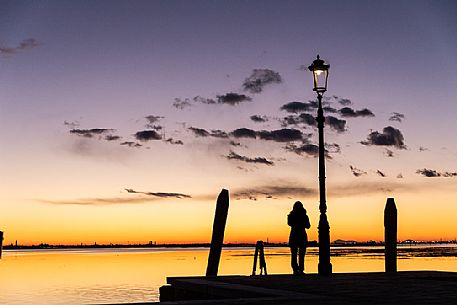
(408, 287)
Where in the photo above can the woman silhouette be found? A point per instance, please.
(298, 222)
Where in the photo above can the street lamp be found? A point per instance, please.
(320, 76)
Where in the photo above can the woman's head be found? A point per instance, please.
(298, 206)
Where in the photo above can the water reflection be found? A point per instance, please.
(86, 276)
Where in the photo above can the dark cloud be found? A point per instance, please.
(281, 135)
(199, 132)
(303, 118)
(335, 123)
(112, 137)
(389, 153)
(244, 133)
(333, 148)
(400, 176)
(153, 118)
(390, 136)
(233, 143)
(102, 201)
(259, 79)
(159, 194)
(147, 135)
(89, 133)
(260, 160)
(232, 98)
(396, 117)
(307, 148)
(421, 148)
(380, 173)
(131, 144)
(218, 133)
(72, 125)
(343, 101)
(297, 107)
(258, 118)
(26, 44)
(433, 173)
(274, 191)
(175, 142)
(351, 113)
(181, 103)
(204, 100)
(328, 109)
(357, 172)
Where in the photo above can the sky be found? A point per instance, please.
(121, 121)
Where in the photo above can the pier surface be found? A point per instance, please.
(407, 287)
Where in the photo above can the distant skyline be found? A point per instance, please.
(122, 121)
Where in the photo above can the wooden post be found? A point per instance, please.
(217, 239)
(1, 243)
(390, 235)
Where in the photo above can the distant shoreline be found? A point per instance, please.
(228, 245)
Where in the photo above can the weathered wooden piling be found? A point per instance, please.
(390, 235)
(1, 243)
(217, 239)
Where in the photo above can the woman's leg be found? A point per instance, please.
(301, 258)
(293, 258)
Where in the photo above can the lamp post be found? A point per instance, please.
(320, 76)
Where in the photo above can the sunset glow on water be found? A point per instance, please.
(135, 275)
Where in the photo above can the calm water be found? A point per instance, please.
(135, 275)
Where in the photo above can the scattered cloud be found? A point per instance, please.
(380, 173)
(297, 107)
(199, 132)
(343, 101)
(397, 117)
(218, 133)
(328, 109)
(281, 135)
(233, 143)
(151, 120)
(400, 176)
(303, 118)
(274, 191)
(159, 194)
(26, 44)
(112, 137)
(306, 148)
(90, 133)
(131, 144)
(147, 135)
(433, 173)
(72, 124)
(421, 148)
(232, 98)
(351, 113)
(181, 103)
(258, 118)
(204, 100)
(259, 79)
(357, 172)
(260, 160)
(174, 142)
(102, 201)
(390, 136)
(244, 133)
(389, 153)
(335, 123)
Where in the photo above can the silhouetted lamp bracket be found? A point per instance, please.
(320, 75)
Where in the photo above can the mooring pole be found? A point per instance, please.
(217, 239)
(390, 235)
(1, 243)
